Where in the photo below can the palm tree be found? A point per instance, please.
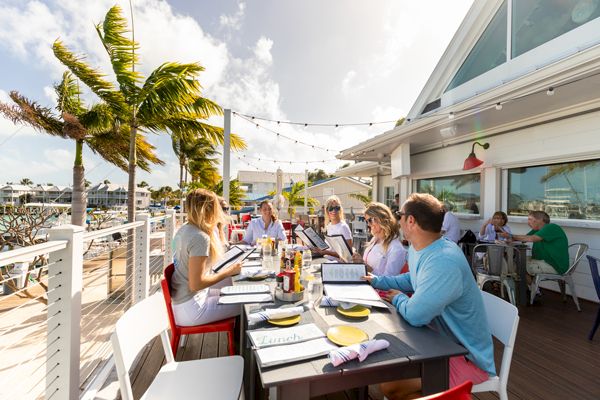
(26, 181)
(295, 198)
(143, 184)
(363, 198)
(106, 182)
(169, 100)
(236, 194)
(92, 126)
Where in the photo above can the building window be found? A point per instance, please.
(460, 192)
(388, 195)
(488, 52)
(535, 22)
(565, 191)
(248, 187)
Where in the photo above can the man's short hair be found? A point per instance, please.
(540, 215)
(397, 196)
(426, 210)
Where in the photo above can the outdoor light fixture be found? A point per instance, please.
(451, 115)
(472, 161)
(498, 106)
(550, 91)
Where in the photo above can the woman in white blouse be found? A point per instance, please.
(335, 223)
(384, 254)
(267, 224)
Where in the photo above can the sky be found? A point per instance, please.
(310, 61)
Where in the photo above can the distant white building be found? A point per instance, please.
(261, 183)
(16, 194)
(110, 195)
(52, 194)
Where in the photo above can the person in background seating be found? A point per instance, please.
(198, 245)
(267, 224)
(495, 228)
(335, 224)
(451, 226)
(550, 251)
(444, 296)
(384, 254)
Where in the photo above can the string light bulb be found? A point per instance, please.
(451, 115)
(498, 106)
(550, 91)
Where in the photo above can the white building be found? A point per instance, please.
(52, 194)
(522, 76)
(261, 183)
(110, 195)
(16, 194)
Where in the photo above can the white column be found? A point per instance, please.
(226, 151)
(64, 314)
(169, 235)
(490, 197)
(141, 268)
(375, 187)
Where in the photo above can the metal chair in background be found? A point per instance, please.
(497, 265)
(566, 278)
(596, 278)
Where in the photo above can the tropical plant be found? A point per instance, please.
(295, 197)
(400, 122)
(92, 126)
(318, 174)
(143, 184)
(26, 181)
(169, 100)
(106, 182)
(197, 157)
(363, 198)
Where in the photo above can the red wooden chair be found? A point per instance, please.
(225, 325)
(460, 392)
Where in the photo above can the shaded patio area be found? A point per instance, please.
(552, 360)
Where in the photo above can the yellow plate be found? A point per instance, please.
(354, 312)
(346, 335)
(285, 321)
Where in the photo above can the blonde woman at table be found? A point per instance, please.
(198, 245)
(267, 224)
(384, 254)
(335, 224)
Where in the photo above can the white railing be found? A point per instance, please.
(61, 350)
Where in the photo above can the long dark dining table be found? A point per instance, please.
(413, 352)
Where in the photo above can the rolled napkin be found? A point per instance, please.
(360, 351)
(250, 272)
(274, 313)
(327, 301)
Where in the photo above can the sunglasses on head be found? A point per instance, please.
(333, 208)
(225, 208)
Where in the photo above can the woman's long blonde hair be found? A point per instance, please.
(386, 220)
(330, 200)
(204, 211)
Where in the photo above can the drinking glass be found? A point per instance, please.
(306, 258)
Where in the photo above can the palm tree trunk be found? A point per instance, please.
(79, 200)
(181, 167)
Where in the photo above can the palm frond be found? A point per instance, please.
(91, 77)
(68, 93)
(31, 113)
(121, 50)
(98, 118)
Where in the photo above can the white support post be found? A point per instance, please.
(65, 280)
(141, 267)
(169, 235)
(306, 191)
(226, 152)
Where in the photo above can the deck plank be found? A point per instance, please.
(552, 359)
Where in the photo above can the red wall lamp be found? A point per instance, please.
(472, 161)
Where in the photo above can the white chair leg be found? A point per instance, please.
(510, 287)
(534, 288)
(503, 393)
(569, 281)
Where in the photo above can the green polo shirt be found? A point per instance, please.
(554, 247)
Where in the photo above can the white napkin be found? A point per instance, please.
(327, 301)
(274, 313)
(360, 351)
(252, 271)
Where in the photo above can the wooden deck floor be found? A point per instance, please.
(552, 359)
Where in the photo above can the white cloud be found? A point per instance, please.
(262, 50)
(233, 21)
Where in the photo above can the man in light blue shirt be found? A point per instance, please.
(444, 295)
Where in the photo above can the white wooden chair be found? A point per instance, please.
(214, 378)
(566, 278)
(503, 319)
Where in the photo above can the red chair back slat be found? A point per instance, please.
(460, 392)
(166, 289)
